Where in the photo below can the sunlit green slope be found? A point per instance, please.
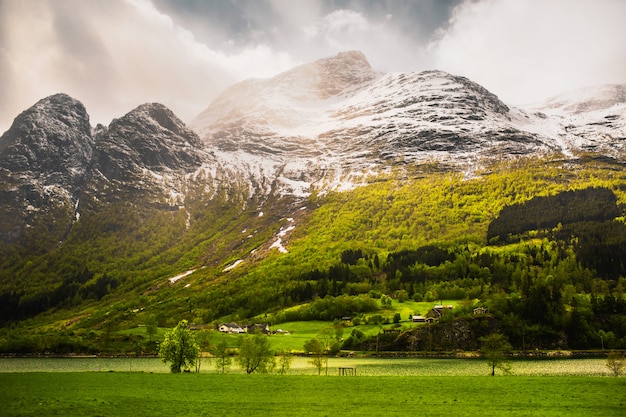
(113, 270)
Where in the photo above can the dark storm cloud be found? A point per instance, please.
(278, 22)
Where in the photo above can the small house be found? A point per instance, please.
(230, 328)
(480, 311)
(440, 310)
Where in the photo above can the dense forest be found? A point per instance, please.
(540, 245)
(566, 208)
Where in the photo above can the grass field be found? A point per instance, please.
(145, 394)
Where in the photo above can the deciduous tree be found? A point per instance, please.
(284, 363)
(222, 357)
(316, 348)
(204, 343)
(493, 348)
(255, 354)
(179, 348)
(151, 327)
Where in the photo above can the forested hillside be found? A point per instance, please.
(539, 243)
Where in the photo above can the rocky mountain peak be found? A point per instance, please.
(59, 106)
(354, 60)
(342, 71)
(44, 157)
(155, 118)
(148, 137)
(326, 77)
(288, 99)
(52, 137)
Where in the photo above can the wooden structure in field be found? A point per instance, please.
(347, 371)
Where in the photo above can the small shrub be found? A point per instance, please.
(615, 362)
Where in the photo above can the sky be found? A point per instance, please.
(114, 55)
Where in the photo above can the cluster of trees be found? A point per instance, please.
(182, 350)
(599, 246)
(78, 285)
(584, 217)
(329, 308)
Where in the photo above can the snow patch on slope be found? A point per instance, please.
(233, 265)
(173, 280)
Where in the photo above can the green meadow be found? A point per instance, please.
(209, 394)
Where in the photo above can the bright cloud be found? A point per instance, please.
(114, 55)
(528, 50)
(387, 48)
(337, 26)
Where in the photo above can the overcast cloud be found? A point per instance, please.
(116, 54)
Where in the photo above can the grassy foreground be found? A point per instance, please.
(143, 394)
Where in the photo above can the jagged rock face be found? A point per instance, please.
(151, 138)
(51, 166)
(43, 163)
(52, 138)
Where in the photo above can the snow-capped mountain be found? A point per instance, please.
(330, 122)
(590, 119)
(271, 128)
(151, 200)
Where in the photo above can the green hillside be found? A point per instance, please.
(419, 233)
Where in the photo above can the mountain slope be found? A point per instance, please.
(591, 119)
